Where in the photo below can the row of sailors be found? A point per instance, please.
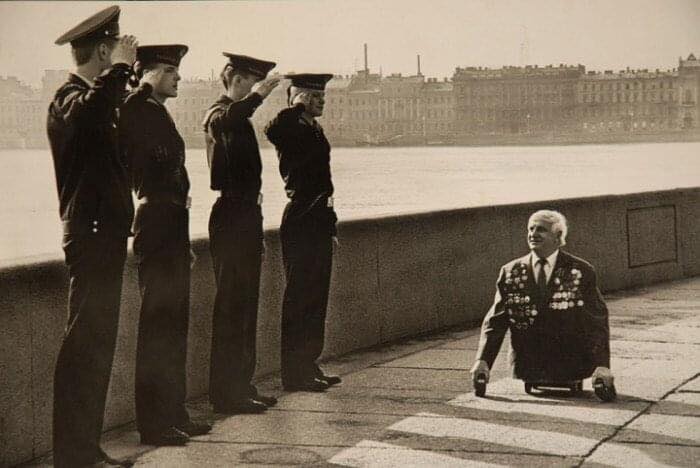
(105, 142)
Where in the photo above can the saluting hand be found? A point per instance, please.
(303, 98)
(152, 76)
(265, 87)
(125, 50)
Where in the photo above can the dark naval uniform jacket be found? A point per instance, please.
(304, 164)
(232, 147)
(559, 335)
(93, 187)
(153, 148)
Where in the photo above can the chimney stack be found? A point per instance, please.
(419, 65)
(366, 68)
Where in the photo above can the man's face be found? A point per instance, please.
(167, 86)
(316, 102)
(541, 238)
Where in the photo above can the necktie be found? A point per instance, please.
(541, 276)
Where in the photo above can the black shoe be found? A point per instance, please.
(106, 460)
(192, 428)
(168, 437)
(245, 406)
(313, 385)
(331, 379)
(267, 400)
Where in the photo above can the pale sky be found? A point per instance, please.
(328, 36)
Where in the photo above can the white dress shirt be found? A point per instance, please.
(548, 267)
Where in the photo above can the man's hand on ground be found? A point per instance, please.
(604, 374)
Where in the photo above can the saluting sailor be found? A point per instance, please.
(96, 210)
(308, 230)
(236, 233)
(155, 152)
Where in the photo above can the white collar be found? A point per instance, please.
(551, 260)
(87, 82)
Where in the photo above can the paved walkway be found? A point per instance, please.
(412, 405)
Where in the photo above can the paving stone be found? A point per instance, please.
(587, 409)
(662, 428)
(680, 331)
(642, 455)
(231, 454)
(299, 427)
(680, 403)
(465, 434)
(692, 386)
(625, 349)
(349, 399)
(379, 377)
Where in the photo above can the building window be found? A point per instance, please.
(688, 97)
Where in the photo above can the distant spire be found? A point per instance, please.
(524, 59)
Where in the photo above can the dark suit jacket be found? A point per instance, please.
(560, 335)
(91, 178)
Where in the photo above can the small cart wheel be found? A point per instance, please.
(528, 388)
(604, 392)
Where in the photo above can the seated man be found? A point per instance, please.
(558, 321)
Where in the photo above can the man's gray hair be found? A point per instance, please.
(556, 219)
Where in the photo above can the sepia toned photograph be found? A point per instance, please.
(350, 233)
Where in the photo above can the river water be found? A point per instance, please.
(371, 182)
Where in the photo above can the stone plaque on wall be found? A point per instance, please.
(651, 235)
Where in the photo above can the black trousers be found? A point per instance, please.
(95, 265)
(235, 239)
(162, 246)
(307, 253)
